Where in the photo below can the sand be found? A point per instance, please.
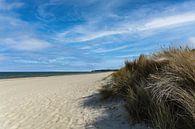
(59, 102)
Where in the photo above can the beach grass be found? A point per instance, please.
(159, 89)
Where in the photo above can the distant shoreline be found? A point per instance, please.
(10, 75)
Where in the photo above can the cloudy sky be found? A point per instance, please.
(69, 35)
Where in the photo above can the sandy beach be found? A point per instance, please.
(58, 102)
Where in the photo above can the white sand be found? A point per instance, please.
(58, 102)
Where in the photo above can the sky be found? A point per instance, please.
(82, 35)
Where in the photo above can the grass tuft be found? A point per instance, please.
(158, 89)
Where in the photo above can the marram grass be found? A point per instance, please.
(158, 89)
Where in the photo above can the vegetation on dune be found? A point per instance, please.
(158, 89)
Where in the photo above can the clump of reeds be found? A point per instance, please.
(158, 89)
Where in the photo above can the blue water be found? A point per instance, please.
(5, 75)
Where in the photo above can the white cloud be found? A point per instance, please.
(16, 33)
(83, 33)
(87, 36)
(8, 6)
(128, 56)
(191, 42)
(11, 22)
(25, 43)
(110, 64)
(169, 21)
(86, 47)
(20, 35)
(2, 58)
(102, 50)
(28, 61)
(99, 35)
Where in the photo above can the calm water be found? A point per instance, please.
(5, 75)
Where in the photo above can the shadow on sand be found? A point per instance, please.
(111, 113)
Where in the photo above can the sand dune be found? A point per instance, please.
(58, 102)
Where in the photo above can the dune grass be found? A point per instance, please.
(158, 89)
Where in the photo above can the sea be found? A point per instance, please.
(7, 75)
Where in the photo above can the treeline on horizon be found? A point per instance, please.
(158, 90)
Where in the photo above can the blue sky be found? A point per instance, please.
(70, 35)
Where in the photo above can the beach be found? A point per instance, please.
(58, 102)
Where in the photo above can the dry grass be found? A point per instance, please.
(158, 89)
